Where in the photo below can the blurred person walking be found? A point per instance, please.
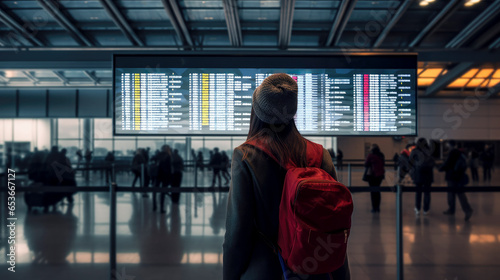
(487, 158)
(199, 162)
(79, 156)
(178, 168)
(66, 174)
(137, 162)
(395, 159)
(340, 157)
(403, 165)
(454, 167)
(109, 160)
(164, 177)
(224, 166)
(474, 164)
(215, 163)
(422, 174)
(374, 174)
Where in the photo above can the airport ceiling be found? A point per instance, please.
(49, 43)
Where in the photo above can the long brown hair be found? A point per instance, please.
(284, 141)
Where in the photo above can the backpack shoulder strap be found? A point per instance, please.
(314, 154)
(261, 146)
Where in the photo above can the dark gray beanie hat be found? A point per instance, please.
(275, 100)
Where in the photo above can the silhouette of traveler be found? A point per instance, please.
(395, 159)
(403, 165)
(224, 166)
(109, 160)
(474, 164)
(79, 158)
(455, 166)
(340, 157)
(164, 176)
(66, 174)
(178, 168)
(215, 163)
(199, 162)
(137, 162)
(487, 158)
(257, 183)
(422, 174)
(375, 172)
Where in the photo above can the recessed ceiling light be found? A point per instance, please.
(471, 2)
(209, 18)
(424, 3)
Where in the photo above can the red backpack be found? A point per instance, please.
(314, 216)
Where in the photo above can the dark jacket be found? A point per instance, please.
(376, 162)
(488, 158)
(136, 163)
(177, 163)
(216, 162)
(254, 199)
(449, 166)
(422, 167)
(164, 166)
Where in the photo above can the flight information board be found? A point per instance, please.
(218, 101)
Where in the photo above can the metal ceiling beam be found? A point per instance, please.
(450, 76)
(495, 44)
(343, 14)
(92, 77)
(436, 21)
(399, 13)
(19, 29)
(85, 58)
(286, 21)
(30, 77)
(233, 22)
(61, 77)
(54, 9)
(121, 22)
(487, 36)
(490, 13)
(177, 20)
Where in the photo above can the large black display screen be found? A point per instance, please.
(212, 94)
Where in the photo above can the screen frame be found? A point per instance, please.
(342, 60)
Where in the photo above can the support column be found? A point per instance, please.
(54, 133)
(88, 135)
(88, 143)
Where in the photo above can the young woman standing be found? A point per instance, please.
(257, 182)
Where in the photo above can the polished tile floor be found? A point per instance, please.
(72, 242)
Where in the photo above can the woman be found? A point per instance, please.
(375, 170)
(257, 183)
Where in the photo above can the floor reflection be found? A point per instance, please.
(72, 241)
(50, 236)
